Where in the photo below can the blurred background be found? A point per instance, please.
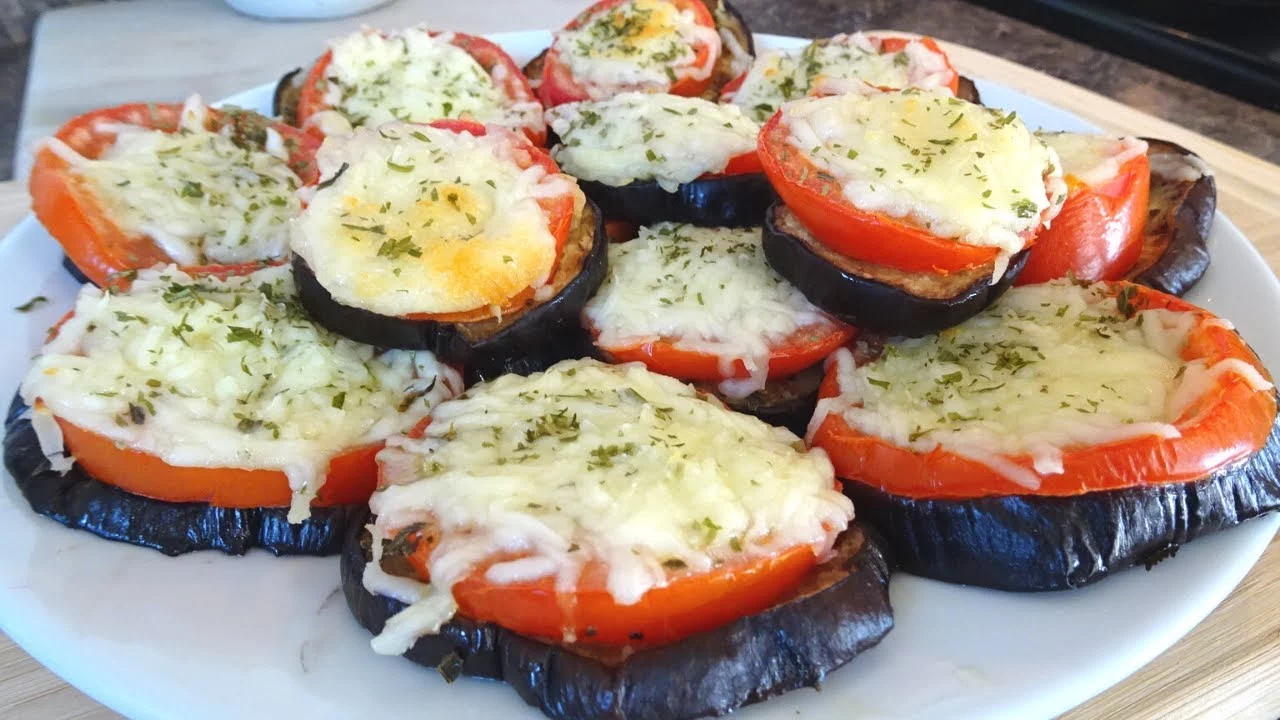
(1211, 65)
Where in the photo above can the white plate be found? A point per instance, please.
(209, 636)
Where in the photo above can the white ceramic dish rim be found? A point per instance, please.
(128, 672)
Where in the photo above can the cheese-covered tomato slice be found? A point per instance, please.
(435, 219)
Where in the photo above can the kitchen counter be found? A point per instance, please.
(70, 44)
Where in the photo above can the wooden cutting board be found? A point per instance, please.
(1228, 667)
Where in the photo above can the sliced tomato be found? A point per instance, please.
(689, 603)
(74, 216)
(744, 164)
(802, 349)
(495, 61)
(1099, 232)
(818, 200)
(1229, 422)
(352, 476)
(559, 86)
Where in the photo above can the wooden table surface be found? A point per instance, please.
(1228, 667)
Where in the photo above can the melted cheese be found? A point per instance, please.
(707, 290)
(639, 136)
(1047, 367)
(1179, 168)
(1092, 159)
(844, 63)
(644, 45)
(424, 220)
(956, 169)
(201, 196)
(414, 77)
(590, 462)
(227, 373)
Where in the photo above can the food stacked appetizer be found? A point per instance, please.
(287, 314)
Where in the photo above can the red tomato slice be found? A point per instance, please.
(744, 164)
(1099, 232)
(560, 211)
(819, 202)
(73, 215)
(690, 603)
(559, 86)
(1230, 422)
(804, 348)
(493, 59)
(352, 475)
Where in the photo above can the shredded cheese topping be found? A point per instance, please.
(202, 372)
(419, 219)
(844, 63)
(1045, 368)
(956, 169)
(640, 136)
(644, 45)
(706, 290)
(594, 463)
(200, 195)
(1092, 159)
(415, 77)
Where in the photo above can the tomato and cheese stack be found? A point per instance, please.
(415, 75)
(204, 412)
(702, 304)
(647, 158)
(137, 185)
(904, 212)
(1066, 432)
(456, 237)
(598, 512)
(681, 47)
(858, 62)
(1099, 232)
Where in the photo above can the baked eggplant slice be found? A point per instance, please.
(284, 99)
(1068, 433)
(968, 91)
(78, 501)
(531, 339)
(877, 298)
(787, 402)
(1175, 253)
(840, 610)
(73, 271)
(1032, 542)
(720, 201)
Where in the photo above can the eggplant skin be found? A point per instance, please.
(841, 611)
(723, 201)
(526, 341)
(968, 91)
(284, 100)
(1175, 252)
(786, 402)
(70, 267)
(872, 305)
(1033, 543)
(80, 502)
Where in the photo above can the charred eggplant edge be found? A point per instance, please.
(789, 646)
(78, 501)
(284, 99)
(871, 305)
(721, 201)
(1186, 257)
(543, 334)
(1034, 542)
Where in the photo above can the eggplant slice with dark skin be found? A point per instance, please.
(284, 101)
(877, 298)
(968, 91)
(786, 402)
(527, 340)
(718, 201)
(728, 21)
(841, 610)
(74, 271)
(75, 499)
(1034, 542)
(1175, 252)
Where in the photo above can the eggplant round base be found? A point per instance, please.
(1184, 197)
(528, 340)
(80, 502)
(1032, 542)
(786, 403)
(872, 304)
(723, 201)
(75, 272)
(842, 611)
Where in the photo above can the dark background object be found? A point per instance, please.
(1230, 45)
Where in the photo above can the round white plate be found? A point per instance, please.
(210, 636)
